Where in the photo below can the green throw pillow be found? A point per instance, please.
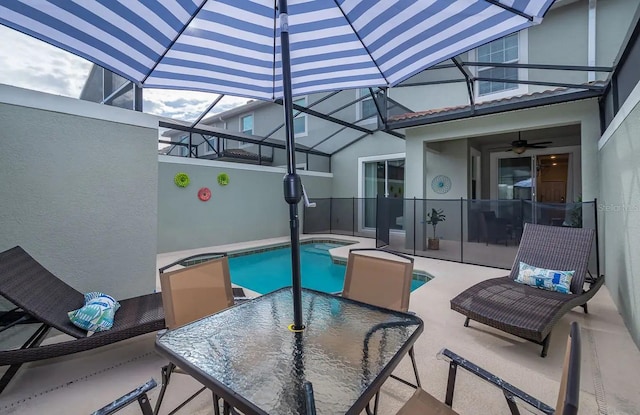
(547, 279)
(97, 313)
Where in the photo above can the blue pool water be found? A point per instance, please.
(267, 271)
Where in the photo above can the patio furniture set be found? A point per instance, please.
(251, 359)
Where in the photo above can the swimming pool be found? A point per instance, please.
(270, 270)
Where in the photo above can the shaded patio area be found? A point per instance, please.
(610, 359)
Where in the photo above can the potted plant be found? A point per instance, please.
(436, 216)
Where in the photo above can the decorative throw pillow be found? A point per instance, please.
(96, 314)
(547, 279)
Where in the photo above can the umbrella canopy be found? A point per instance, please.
(267, 49)
(233, 47)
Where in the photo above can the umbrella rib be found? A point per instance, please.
(511, 9)
(175, 39)
(355, 32)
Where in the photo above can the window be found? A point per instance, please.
(300, 121)
(366, 108)
(504, 50)
(246, 124)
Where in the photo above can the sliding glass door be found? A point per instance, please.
(384, 178)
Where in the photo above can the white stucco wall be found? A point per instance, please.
(619, 211)
(79, 190)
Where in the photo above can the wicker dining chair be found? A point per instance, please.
(383, 280)
(423, 403)
(201, 286)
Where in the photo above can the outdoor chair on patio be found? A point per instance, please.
(526, 311)
(383, 282)
(139, 395)
(494, 229)
(422, 403)
(42, 298)
(200, 288)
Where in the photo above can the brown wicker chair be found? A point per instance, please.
(529, 312)
(42, 298)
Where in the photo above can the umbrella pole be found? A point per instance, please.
(292, 183)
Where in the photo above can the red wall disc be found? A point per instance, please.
(204, 194)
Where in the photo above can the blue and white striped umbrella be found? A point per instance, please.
(233, 46)
(268, 49)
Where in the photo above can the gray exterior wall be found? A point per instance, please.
(561, 39)
(250, 207)
(79, 190)
(267, 117)
(584, 113)
(619, 213)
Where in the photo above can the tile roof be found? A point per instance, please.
(515, 98)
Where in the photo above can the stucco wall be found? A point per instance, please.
(79, 190)
(619, 212)
(250, 207)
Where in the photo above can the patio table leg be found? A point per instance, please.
(216, 404)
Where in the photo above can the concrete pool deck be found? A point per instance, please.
(610, 360)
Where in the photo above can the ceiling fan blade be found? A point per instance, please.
(535, 146)
(541, 142)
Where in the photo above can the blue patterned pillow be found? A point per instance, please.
(547, 279)
(97, 313)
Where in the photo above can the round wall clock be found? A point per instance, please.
(441, 184)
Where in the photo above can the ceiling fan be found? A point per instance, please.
(519, 146)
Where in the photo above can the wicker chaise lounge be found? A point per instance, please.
(530, 312)
(42, 298)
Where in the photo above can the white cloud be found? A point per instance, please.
(185, 105)
(32, 64)
(29, 63)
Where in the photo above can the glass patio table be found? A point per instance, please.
(247, 355)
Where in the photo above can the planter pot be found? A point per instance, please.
(433, 244)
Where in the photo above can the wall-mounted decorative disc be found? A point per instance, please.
(441, 184)
(204, 194)
(223, 179)
(181, 180)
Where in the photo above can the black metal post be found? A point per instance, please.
(414, 225)
(595, 213)
(292, 183)
(330, 214)
(462, 230)
(353, 217)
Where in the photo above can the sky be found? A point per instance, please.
(32, 64)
